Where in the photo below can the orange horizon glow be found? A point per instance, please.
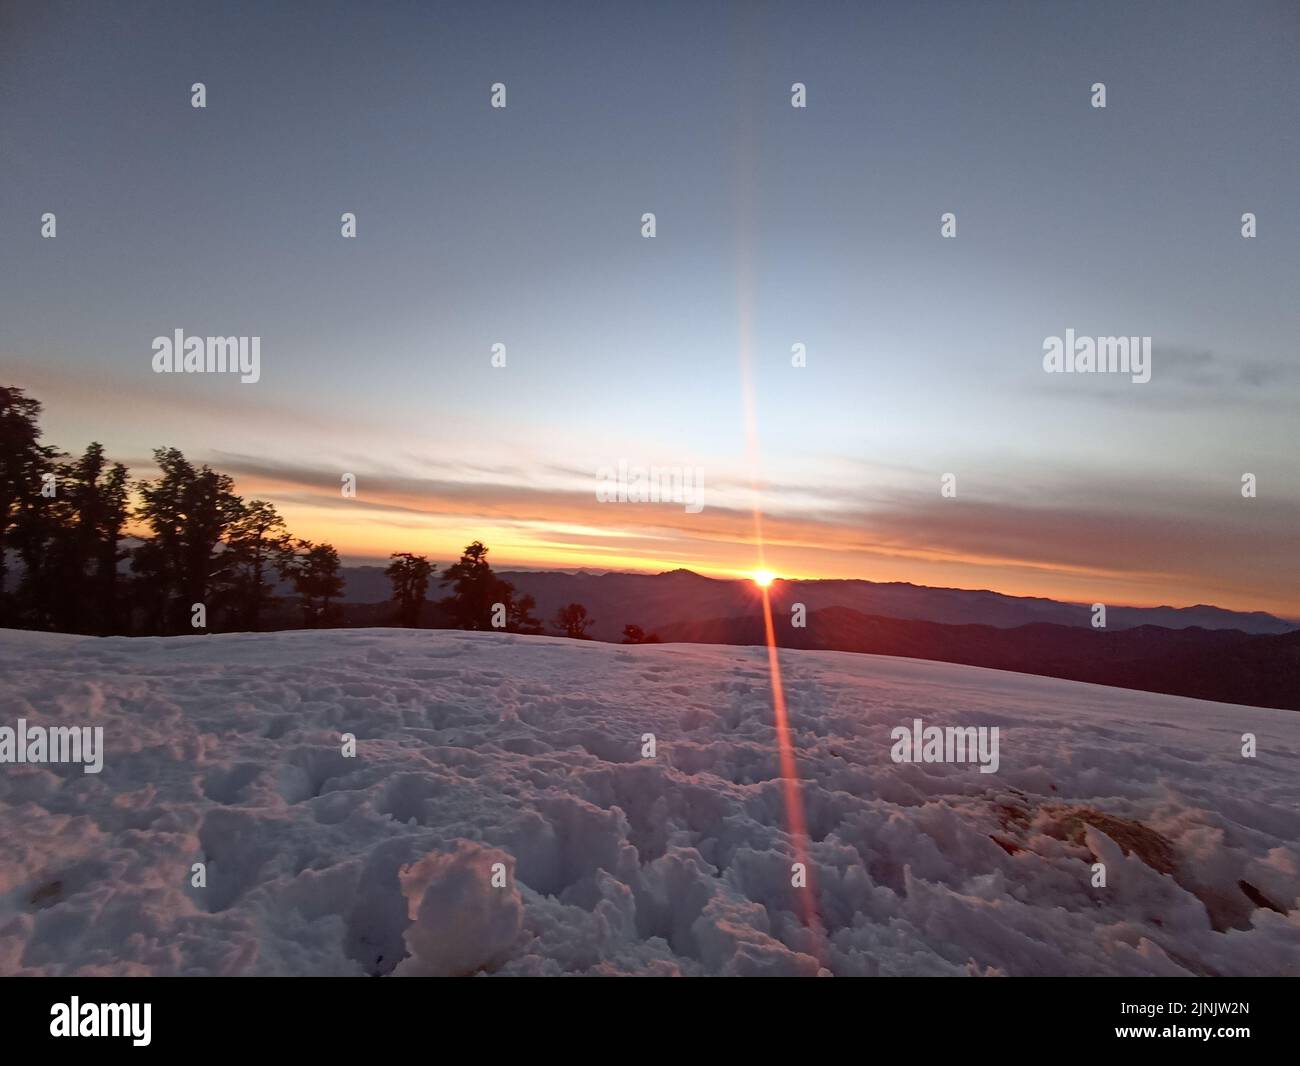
(538, 545)
(550, 525)
(544, 547)
(569, 532)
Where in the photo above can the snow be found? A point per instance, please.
(458, 928)
(478, 749)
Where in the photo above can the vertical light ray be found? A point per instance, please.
(796, 825)
(793, 799)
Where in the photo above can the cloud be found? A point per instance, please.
(1183, 378)
(1035, 527)
(1167, 537)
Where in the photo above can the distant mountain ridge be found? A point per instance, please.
(656, 601)
(1226, 665)
(1210, 653)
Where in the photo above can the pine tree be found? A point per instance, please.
(572, 621)
(87, 518)
(476, 590)
(634, 634)
(314, 571)
(519, 613)
(189, 512)
(257, 543)
(410, 577)
(23, 461)
(114, 511)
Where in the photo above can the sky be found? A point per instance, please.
(775, 226)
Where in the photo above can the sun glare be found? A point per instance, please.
(763, 578)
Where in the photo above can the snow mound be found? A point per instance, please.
(501, 815)
(464, 921)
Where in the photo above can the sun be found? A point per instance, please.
(763, 578)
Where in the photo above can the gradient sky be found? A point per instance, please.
(775, 226)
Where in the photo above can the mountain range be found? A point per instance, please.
(656, 601)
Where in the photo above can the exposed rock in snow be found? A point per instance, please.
(477, 749)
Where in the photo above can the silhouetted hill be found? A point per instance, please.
(1229, 666)
(654, 601)
(1196, 654)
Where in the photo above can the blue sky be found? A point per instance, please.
(775, 225)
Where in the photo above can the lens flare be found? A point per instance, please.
(796, 826)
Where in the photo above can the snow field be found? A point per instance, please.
(482, 749)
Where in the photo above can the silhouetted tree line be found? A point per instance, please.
(207, 559)
(65, 521)
(479, 599)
